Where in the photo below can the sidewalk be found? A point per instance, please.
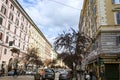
(17, 78)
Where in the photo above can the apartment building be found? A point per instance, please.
(37, 40)
(100, 20)
(14, 32)
(54, 55)
(18, 32)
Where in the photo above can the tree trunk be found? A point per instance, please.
(75, 73)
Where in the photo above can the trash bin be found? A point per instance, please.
(37, 77)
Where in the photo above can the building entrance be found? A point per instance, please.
(112, 71)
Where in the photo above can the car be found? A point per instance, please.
(48, 74)
(29, 72)
(65, 75)
(11, 73)
(34, 72)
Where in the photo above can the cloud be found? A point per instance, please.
(52, 17)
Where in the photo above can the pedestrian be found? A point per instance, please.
(86, 75)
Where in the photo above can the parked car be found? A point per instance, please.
(65, 75)
(29, 72)
(11, 73)
(22, 72)
(48, 74)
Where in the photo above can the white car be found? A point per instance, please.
(28, 72)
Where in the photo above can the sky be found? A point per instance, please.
(53, 16)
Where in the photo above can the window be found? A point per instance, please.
(1, 36)
(9, 26)
(91, 3)
(1, 19)
(22, 26)
(26, 29)
(116, 1)
(5, 51)
(11, 16)
(20, 34)
(12, 7)
(117, 40)
(15, 30)
(19, 44)
(7, 39)
(118, 17)
(3, 10)
(24, 37)
(23, 47)
(5, 1)
(94, 11)
(18, 13)
(17, 22)
(22, 18)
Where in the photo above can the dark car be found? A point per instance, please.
(11, 73)
(48, 74)
(65, 75)
(19, 72)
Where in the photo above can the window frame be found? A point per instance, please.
(116, 1)
(3, 10)
(11, 16)
(116, 18)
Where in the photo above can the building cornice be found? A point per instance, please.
(16, 3)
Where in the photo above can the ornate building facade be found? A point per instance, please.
(18, 32)
(100, 19)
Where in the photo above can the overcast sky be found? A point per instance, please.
(53, 16)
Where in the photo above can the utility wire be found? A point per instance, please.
(64, 4)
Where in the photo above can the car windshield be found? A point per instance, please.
(48, 70)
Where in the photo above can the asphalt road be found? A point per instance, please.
(17, 78)
(27, 77)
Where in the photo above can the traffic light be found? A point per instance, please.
(11, 43)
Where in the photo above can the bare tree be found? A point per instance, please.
(72, 44)
(32, 57)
